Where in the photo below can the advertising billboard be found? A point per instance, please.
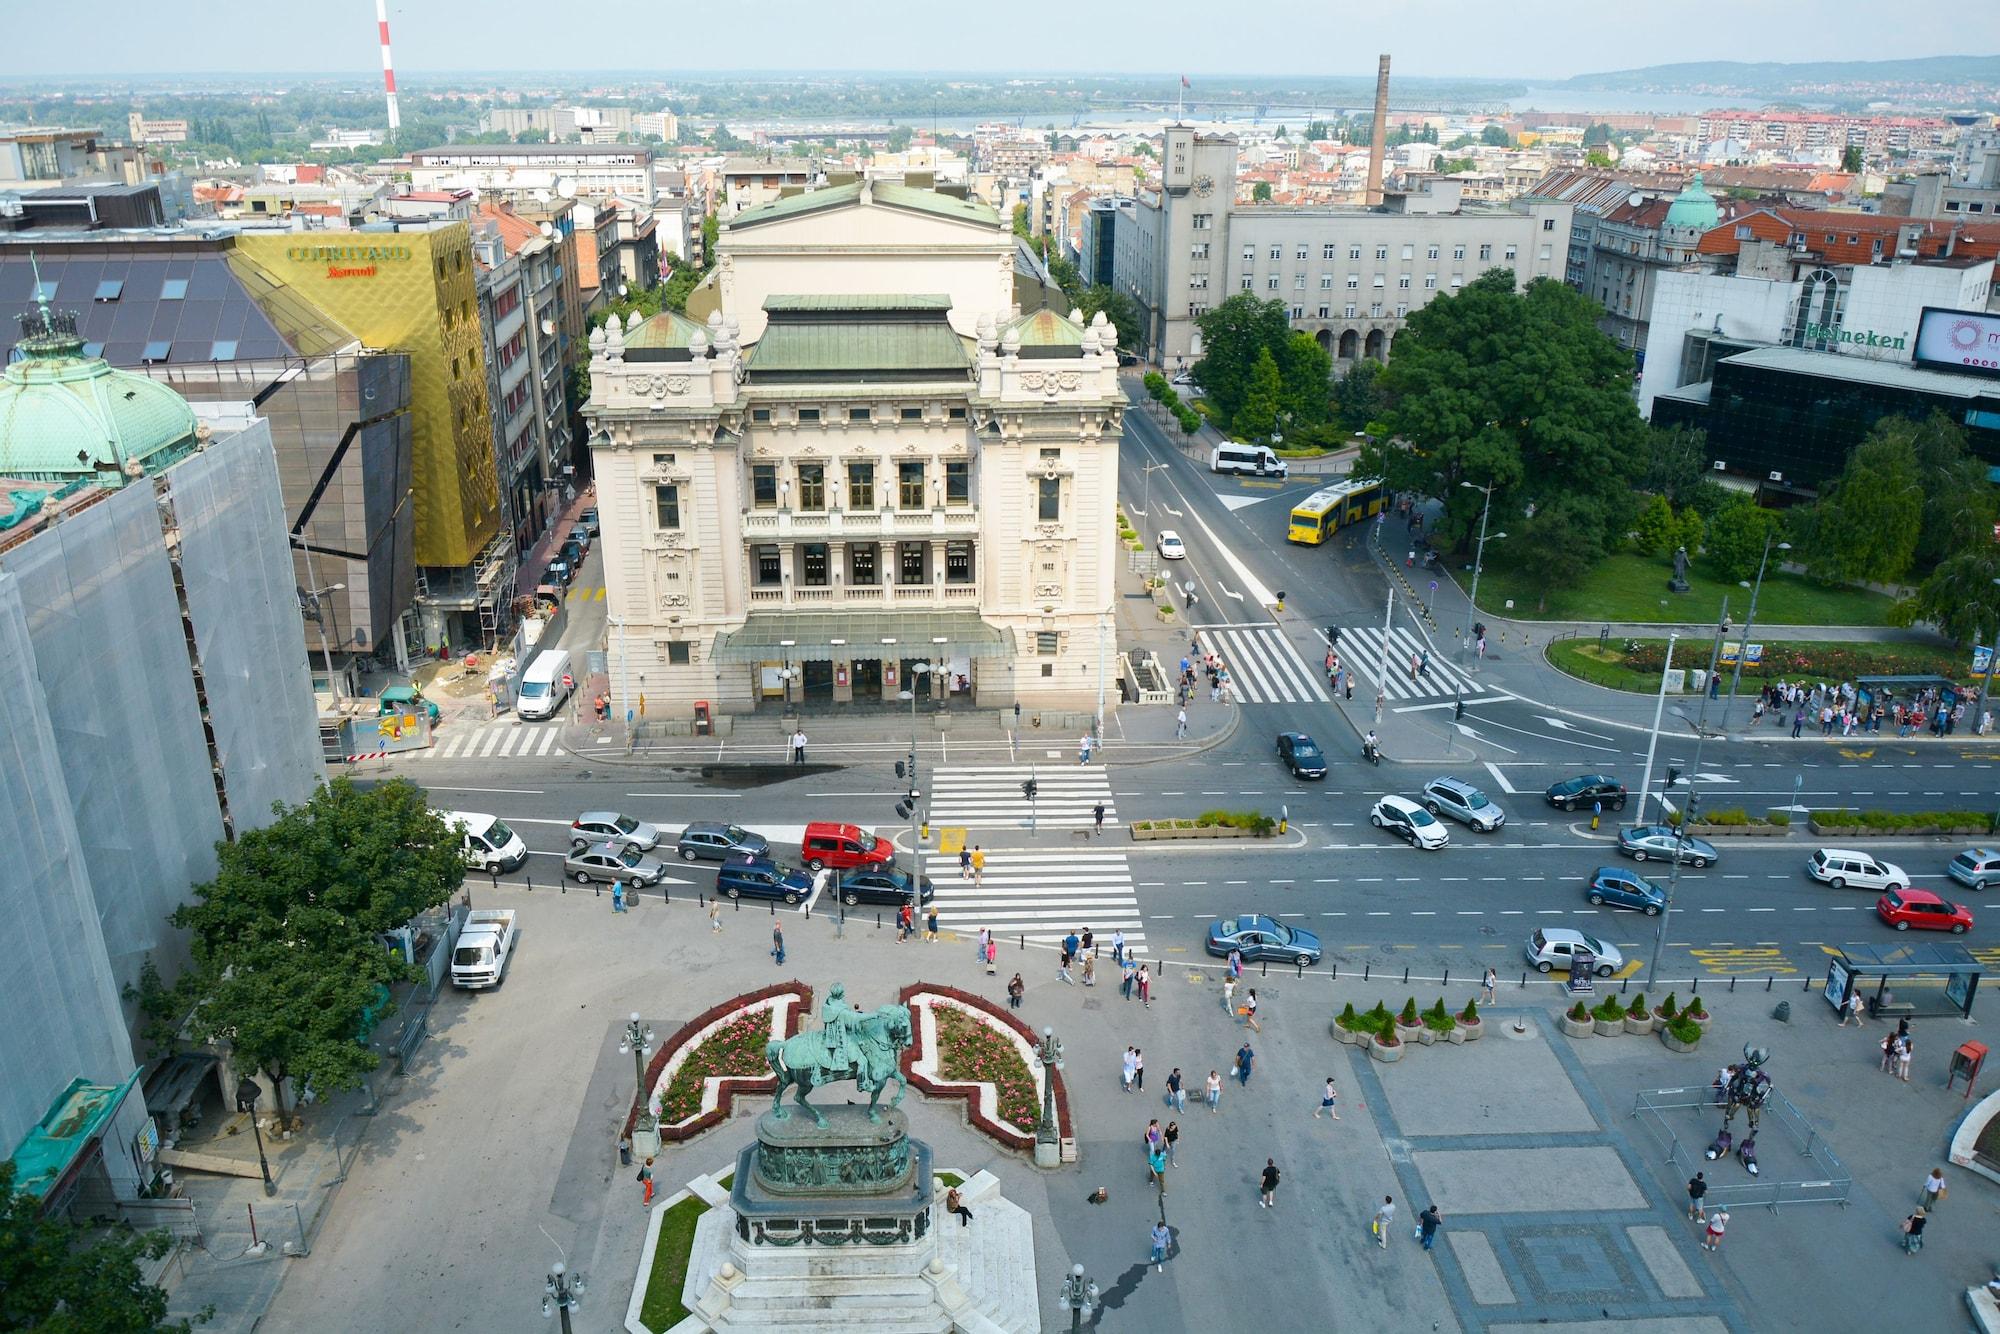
(1960, 340)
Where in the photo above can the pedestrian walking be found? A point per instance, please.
(978, 866)
(1118, 947)
(618, 896)
(646, 1184)
(1138, 1068)
(1798, 721)
(715, 919)
(1488, 985)
(992, 957)
(930, 925)
(954, 1203)
(1250, 1011)
(1913, 1231)
(1424, 663)
(1089, 970)
(985, 937)
(1718, 1222)
(1180, 720)
(1889, 1044)
(1933, 1191)
(1903, 1058)
(1235, 963)
(1212, 1091)
(1228, 995)
(1176, 1094)
(1697, 1189)
(965, 863)
(1385, 1218)
(1416, 660)
(1069, 947)
(1852, 1010)
(1097, 818)
(1146, 995)
(1350, 686)
(1130, 1069)
(1268, 1186)
(1171, 1137)
(1328, 1098)
(1162, 1239)
(1428, 1223)
(1083, 749)
(1130, 969)
(1244, 1057)
(778, 944)
(1016, 988)
(1089, 943)
(799, 746)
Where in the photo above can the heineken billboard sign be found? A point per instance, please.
(1861, 338)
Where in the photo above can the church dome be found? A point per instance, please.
(1693, 209)
(64, 415)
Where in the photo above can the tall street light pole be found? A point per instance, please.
(1478, 562)
(1659, 706)
(638, 1040)
(1693, 801)
(562, 1292)
(1749, 623)
(247, 1094)
(1049, 1056)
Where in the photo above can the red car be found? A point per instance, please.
(843, 847)
(1905, 908)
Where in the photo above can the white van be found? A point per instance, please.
(486, 842)
(1253, 460)
(541, 691)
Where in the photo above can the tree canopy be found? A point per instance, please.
(58, 1278)
(1235, 335)
(1911, 497)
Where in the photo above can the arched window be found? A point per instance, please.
(1821, 309)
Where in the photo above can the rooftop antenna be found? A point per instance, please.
(388, 67)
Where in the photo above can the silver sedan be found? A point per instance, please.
(1657, 840)
(610, 863)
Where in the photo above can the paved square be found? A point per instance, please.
(1570, 1263)
(1496, 1086)
(1495, 1181)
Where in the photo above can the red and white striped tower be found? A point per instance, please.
(388, 69)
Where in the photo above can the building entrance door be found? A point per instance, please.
(818, 682)
(867, 679)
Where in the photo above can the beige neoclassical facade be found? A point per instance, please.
(865, 461)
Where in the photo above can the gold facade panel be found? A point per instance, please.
(411, 292)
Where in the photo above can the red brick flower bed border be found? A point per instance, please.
(728, 1090)
(999, 1132)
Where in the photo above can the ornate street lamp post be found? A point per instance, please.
(1049, 1056)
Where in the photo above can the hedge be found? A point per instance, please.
(1904, 819)
(1255, 821)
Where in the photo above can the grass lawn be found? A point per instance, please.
(1582, 658)
(662, 1308)
(1628, 587)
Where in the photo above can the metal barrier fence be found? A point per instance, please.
(1829, 1182)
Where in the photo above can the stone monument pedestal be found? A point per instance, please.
(842, 1228)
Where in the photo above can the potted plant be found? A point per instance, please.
(1439, 1023)
(1347, 1026)
(1680, 1033)
(1667, 1008)
(1470, 1024)
(1386, 1045)
(1696, 1011)
(1608, 1018)
(1638, 1019)
(1408, 1021)
(1576, 1023)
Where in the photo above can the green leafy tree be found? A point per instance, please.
(1599, 158)
(1689, 530)
(1260, 192)
(1358, 397)
(1517, 389)
(1258, 416)
(1561, 543)
(1020, 219)
(899, 138)
(1495, 137)
(1866, 523)
(1959, 503)
(1457, 164)
(1232, 335)
(287, 938)
(59, 1278)
(1597, 135)
(1654, 527)
(1119, 308)
(1676, 463)
(1305, 379)
(1736, 537)
(1317, 131)
(1959, 598)
(1850, 158)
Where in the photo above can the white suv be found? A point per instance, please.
(1401, 816)
(1840, 868)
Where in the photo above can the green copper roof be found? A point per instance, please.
(930, 201)
(864, 302)
(882, 192)
(1694, 207)
(668, 329)
(64, 415)
(895, 348)
(1044, 328)
(792, 206)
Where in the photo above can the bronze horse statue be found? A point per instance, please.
(862, 1047)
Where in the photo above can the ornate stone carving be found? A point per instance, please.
(1048, 590)
(674, 541)
(1048, 530)
(1031, 379)
(1072, 379)
(677, 384)
(679, 601)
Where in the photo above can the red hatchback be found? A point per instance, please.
(1905, 908)
(843, 847)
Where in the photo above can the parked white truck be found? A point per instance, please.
(485, 944)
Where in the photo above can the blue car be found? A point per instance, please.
(1625, 889)
(762, 878)
(1261, 938)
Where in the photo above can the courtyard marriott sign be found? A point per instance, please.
(1961, 340)
(1824, 333)
(348, 261)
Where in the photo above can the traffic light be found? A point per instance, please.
(908, 805)
(1673, 775)
(1458, 710)
(1028, 788)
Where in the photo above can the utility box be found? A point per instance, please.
(703, 722)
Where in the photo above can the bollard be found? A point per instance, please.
(1024, 940)
(1301, 962)
(1333, 971)
(1524, 981)
(1732, 986)
(774, 908)
(736, 904)
(1625, 986)
(495, 873)
(1447, 975)
(531, 883)
(1406, 975)
(1365, 969)
(599, 887)
(666, 892)
(1770, 982)
(1809, 983)
(1264, 969)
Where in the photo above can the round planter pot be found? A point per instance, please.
(1607, 1028)
(1390, 1052)
(1425, 1036)
(1673, 1043)
(1455, 1035)
(1346, 1037)
(1576, 1028)
(1408, 1032)
(1640, 1026)
(1471, 1030)
(1703, 1019)
(1364, 1041)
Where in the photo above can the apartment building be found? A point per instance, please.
(536, 171)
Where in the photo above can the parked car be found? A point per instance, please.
(1977, 867)
(842, 846)
(882, 884)
(762, 878)
(1261, 938)
(1406, 819)
(1905, 908)
(713, 841)
(1462, 802)
(1553, 947)
(1625, 889)
(1301, 755)
(607, 862)
(611, 827)
(559, 571)
(1841, 867)
(1182, 378)
(572, 551)
(588, 519)
(1170, 545)
(1658, 840)
(581, 534)
(1586, 789)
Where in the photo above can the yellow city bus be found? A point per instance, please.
(1316, 518)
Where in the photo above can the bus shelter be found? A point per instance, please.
(1914, 978)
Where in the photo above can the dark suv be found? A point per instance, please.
(1586, 789)
(762, 878)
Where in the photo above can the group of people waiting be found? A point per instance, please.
(1842, 708)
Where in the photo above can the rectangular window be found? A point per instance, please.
(1325, 282)
(957, 482)
(174, 289)
(1326, 251)
(1047, 642)
(1409, 252)
(1250, 254)
(1277, 252)
(157, 350)
(1430, 282)
(1196, 310)
(680, 652)
(1198, 251)
(1458, 252)
(1349, 310)
(222, 349)
(1486, 252)
(1432, 253)
(1354, 252)
(861, 486)
(1510, 252)
(857, 414)
(1375, 310)
(812, 486)
(1548, 224)
(861, 559)
(1402, 309)
(1202, 221)
(1403, 281)
(1248, 282)
(1353, 281)
(1380, 281)
(1301, 252)
(1298, 312)
(769, 568)
(1271, 283)
(911, 414)
(1381, 252)
(813, 565)
(1545, 254)
(807, 415)
(910, 486)
(1050, 508)
(910, 562)
(760, 415)
(1298, 282)
(958, 562)
(955, 414)
(1325, 312)
(667, 506)
(110, 289)
(764, 485)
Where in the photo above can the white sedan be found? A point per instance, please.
(1170, 546)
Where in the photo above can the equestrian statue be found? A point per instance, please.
(849, 1045)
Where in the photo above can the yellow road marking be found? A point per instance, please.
(1266, 486)
(1628, 970)
(1868, 754)
(951, 838)
(1743, 962)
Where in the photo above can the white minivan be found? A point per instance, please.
(541, 691)
(1253, 460)
(485, 841)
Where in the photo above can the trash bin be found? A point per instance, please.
(702, 726)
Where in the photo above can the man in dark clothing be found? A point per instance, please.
(1428, 1223)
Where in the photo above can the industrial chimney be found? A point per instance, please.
(389, 67)
(1377, 140)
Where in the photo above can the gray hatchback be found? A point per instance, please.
(714, 841)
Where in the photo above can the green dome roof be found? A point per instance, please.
(1693, 208)
(64, 415)
(667, 330)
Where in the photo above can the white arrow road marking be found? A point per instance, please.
(1234, 503)
(1543, 736)
(1467, 731)
(1500, 778)
(1178, 514)
(1564, 725)
(1130, 510)
(1715, 778)
(1228, 590)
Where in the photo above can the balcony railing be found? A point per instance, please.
(902, 595)
(960, 522)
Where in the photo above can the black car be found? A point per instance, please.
(572, 551)
(1586, 790)
(880, 884)
(1301, 755)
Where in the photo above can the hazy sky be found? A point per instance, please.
(1527, 38)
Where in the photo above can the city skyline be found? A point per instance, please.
(1430, 38)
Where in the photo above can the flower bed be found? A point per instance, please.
(1209, 824)
(718, 1056)
(970, 1049)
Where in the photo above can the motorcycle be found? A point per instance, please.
(1372, 754)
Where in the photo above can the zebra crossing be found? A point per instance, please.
(1361, 653)
(1263, 666)
(989, 796)
(498, 738)
(1041, 895)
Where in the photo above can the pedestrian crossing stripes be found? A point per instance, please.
(499, 738)
(1263, 666)
(989, 797)
(1361, 652)
(1040, 895)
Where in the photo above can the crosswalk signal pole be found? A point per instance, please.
(1382, 682)
(1029, 789)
